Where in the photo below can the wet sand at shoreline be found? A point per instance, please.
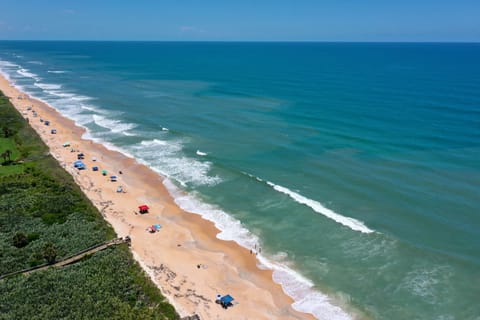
(184, 258)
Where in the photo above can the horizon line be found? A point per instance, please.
(240, 41)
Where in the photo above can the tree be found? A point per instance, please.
(50, 253)
(20, 240)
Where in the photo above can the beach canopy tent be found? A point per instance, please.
(113, 178)
(95, 168)
(104, 172)
(80, 156)
(78, 163)
(66, 144)
(157, 226)
(53, 131)
(47, 122)
(119, 189)
(82, 167)
(143, 208)
(226, 301)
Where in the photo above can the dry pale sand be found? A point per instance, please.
(170, 256)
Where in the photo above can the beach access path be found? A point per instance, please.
(71, 259)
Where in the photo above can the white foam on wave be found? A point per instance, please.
(60, 94)
(115, 126)
(351, 223)
(35, 62)
(5, 74)
(301, 289)
(57, 71)
(8, 64)
(427, 282)
(230, 228)
(6, 67)
(167, 158)
(26, 73)
(295, 285)
(79, 97)
(47, 86)
(68, 95)
(200, 153)
(93, 109)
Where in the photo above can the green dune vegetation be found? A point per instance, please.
(45, 217)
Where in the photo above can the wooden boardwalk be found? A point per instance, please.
(71, 259)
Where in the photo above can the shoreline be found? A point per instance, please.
(185, 259)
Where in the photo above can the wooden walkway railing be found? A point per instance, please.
(71, 259)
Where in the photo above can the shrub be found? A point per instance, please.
(20, 240)
(50, 253)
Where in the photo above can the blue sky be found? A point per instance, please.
(242, 20)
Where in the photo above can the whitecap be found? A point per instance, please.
(57, 71)
(351, 223)
(200, 153)
(26, 73)
(115, 126)
(47, 86)
(8, 64)
(167, 158)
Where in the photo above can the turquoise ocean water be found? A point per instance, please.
(355, 166)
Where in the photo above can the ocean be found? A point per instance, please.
(354, 166)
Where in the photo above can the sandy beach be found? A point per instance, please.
(184, 258)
